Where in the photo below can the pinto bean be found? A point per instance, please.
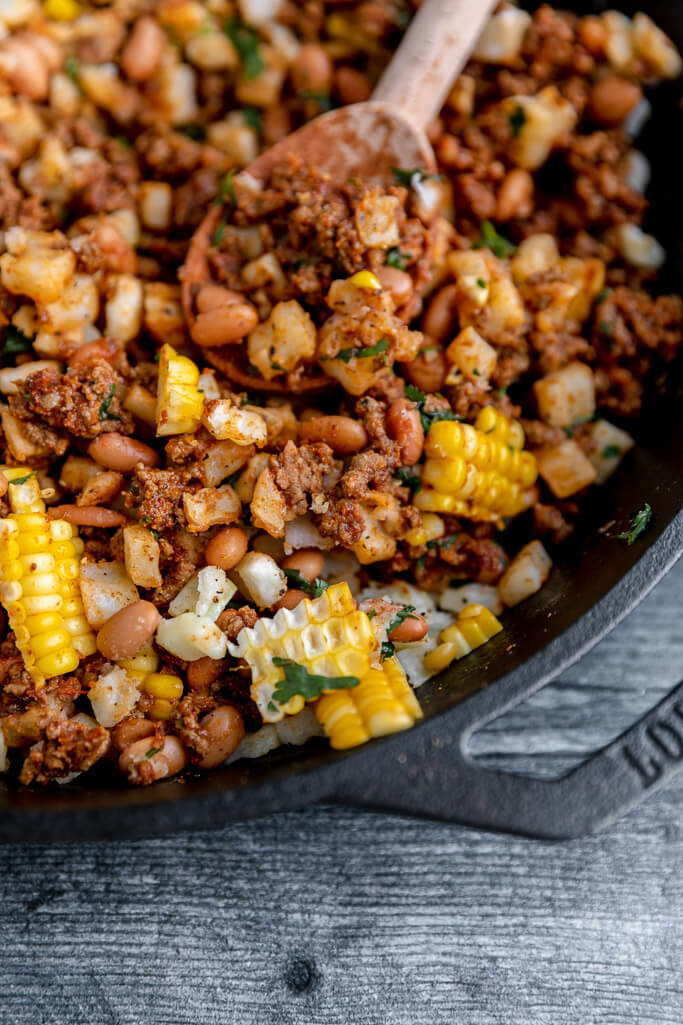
(515, 196)
(128, 630)
(308, 561)
(203, 672)
(117, 452)
(101, 348)
(290, 599)
(226, 548)
(129, 730)
(225, 729)
(212, 296)
(87, 515)
(428, 370)
(276, 125)
(341, 433)
(413, 628)
(312, 70)
(143, 49)
(169, 760)
(27, 72)
(613, 98)
(352, 86)
(397, 282)
(224, 324)
(439, 319)
(405, 427)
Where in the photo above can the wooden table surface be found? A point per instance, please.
(334, 917)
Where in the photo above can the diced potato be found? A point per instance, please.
(303, 533)
(106, 588)
(376, 219)
(565, 468)
(12, 378)
(228, 422)
(588, 276)
(535, 255)
(191, 637)
(282, 341)
(101, 489)
(163, 313)
(547, 120)
(141, 556)
(502, 38)
(183, 18)
(472, 275)
(264, 271)
(611, 445)
(123, 308)
(206, 593)
(223, 459)
(177, 91)
(155, 200)
(21, 445)
(126, 223)
(101, 83)
(619, 43)
(256, 12)
(526, 574)
(234, 137)
(260, 579)
(113, 697)
(268, 504)
(455, 599)
(246, 482)
(472, 356)
(209, 507)
(141, 403)
(637, 248)
(22, 127)
(264, 89)
(36, 264)
(566, 396)
(212, 51)
(636, 171)
(77, 471)
(65, 96)
(505, 309)
(655, 46)
(374, 544)
(76, 307)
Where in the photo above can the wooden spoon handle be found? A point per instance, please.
(432, 54)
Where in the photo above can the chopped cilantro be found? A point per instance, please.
(601, 296)
(246, 41)
(412, 392)
(517, 120)
(22, 480)
(313, 588)
(408, 479)
(218, 233)
(639, 524)
(14, 341)
(569, 431)
(443, 542)
(490, 239)
(501, 391)
(153, 751)
(371, 614)
(72, 69)
(364, 352)
(192, 131)
(155, 534)
(481, 283)
(427, 418)
(606, 328)
(232, 479)
(226, 193)
(298, 680)
(407, 178)
(123, 141)
(252, 117)
(611, 452)
(405, 613)
(387, 650)
(476, 372)
(322, 100)
(395, 258)
(104, 413)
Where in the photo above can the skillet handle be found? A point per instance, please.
(432, 775)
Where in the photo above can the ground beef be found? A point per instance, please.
(158, 497)
(231, 621)
(84, 401)
(18, 209)
(343, 521)
(539, 434)
(185, 723)
(556, 349)
(373, 415)
(298, 472)
(548, 520)
(366, 471)
(181, 554)
(193, 198)
(67, 747)
(477, 558)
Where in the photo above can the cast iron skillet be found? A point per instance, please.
(427, 771)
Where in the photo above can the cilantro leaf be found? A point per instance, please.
(313, 588)
(363, 352)
(490, 239)
(517, 120)
(395, 258)
(247, 43)
(639, 524)
(226, 193)
(192, 131)
(72, 69)
(323, 100)
(22, 480)
(408, 479)
(413, 393)
(252, 117)
(298, 680)
(15, 341)
(405, 613)
(152, 751)
(104, 413)
(443, 542)
(387, 650)
(427, 418)
(407, 178)
(218, 233)
(611, 451)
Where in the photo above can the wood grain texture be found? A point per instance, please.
(334, 917)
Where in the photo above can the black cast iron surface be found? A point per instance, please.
(428, 771)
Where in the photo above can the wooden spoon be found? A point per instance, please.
(363, 140)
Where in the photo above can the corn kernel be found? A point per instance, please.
(162, 685)
(432, 528)
(366, 280)
(179, 401)
(162, 709)
(61, 10)
(474, 626)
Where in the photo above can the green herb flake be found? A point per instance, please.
(569, 431)
(387, 650)
(605, 327)
(14, 341)
(123, 141)
(323, 101)
(601, 296)
(413, 393)
(427, 418)
(371, 614)
(407, 612)
(104, 413)
(247, 43)
(218, 233)
(611, 452)
(364, 352)
(313, 588)
(226, 193)
(639, 524)
(254, 119)
(72, 69)
(481, 283)
(22, 480)
(298, 681)
(192, 131)
(155, 534)
(232, 479)
(490, 239)
(152, 751)
(395, 258)
(517, 120)
(476, 372)
(407, 178)
(443, 542)
(408, 479)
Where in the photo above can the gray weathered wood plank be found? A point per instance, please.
(335, 917)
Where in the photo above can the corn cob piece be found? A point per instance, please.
(382, 703)
(329, 636)
(39, 569)
(479, 472)
(474, 626)
(163, 687)
(179, 400)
